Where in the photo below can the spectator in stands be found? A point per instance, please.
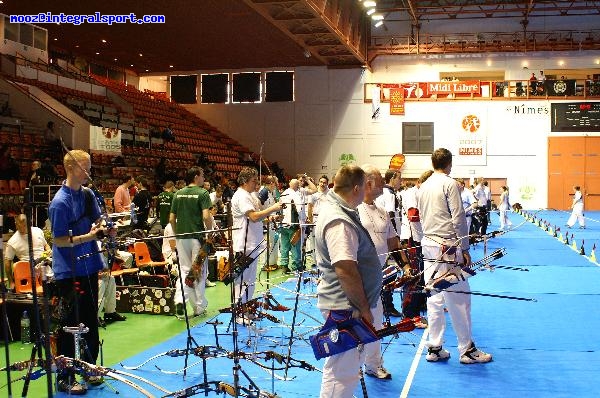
(122, 199)
(142, 201)
(161, 170)
(179, 185)
(168, 134)
(9, 168)
(42, 173)
(165, 198)
(52, 141)
(207, 186)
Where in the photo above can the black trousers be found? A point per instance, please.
(413, 301)
(78, 306)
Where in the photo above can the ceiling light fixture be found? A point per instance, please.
(97, 53)
(370, 11)
(103, 41)
(170, 66)
(376, 17)
(379, 23)
(368, 4)
(141, 55)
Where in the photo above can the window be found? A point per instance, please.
(214, 88)
(40, 38)
(26, 34)
(279, 86)
(11, 30)
(183, 89)
(417, 138)
(246, 87)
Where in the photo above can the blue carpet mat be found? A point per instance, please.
(543, 348)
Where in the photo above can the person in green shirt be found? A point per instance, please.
(165, 198)
(189, 214)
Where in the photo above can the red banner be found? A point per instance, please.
(397, 101)
(465, 87)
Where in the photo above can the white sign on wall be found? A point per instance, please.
(471, 138)
(105, 139)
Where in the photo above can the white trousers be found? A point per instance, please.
(458, 304)
(577, 215)
(273, 249)
(341, 373)
(504, 221)
(187, 250)
(245, 283)
(107, 293)
(373, 358)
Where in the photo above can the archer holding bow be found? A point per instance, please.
(446, 238)
(75, 219)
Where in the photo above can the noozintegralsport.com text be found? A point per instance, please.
(48, 17)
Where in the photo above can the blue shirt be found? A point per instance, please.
(67, 211)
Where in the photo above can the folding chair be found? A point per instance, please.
(143, 259)
(23, 283)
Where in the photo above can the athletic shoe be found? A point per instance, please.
(394, 312)
(209, 283)
(286, 270)
(71, 387)
(380, 372)
(179, 312)
(420, 322)
(243, 320)
(101, 323)
(113, 317)
(435, 354)
(473, 355)
(94, 380)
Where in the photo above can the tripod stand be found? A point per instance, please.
(5, 325)
(191, 343)
(41, 335)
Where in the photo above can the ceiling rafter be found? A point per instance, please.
(315, 24)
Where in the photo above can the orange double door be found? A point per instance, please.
(573, 161)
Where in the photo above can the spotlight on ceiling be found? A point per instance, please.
(370, 11)
(377, 17)
(368, 4)
(379, 23)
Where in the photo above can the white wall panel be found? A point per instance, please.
(313, 119)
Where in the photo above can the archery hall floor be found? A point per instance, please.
(543, 348)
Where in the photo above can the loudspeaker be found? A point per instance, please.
(43, 194)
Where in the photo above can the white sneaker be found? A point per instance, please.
(379, 372)
(209, 284)
(243, 320)
(473, 355)
(435, 354)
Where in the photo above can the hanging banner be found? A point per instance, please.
(397, 161)
(105, 139)
(397, 101)
(466, 87)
